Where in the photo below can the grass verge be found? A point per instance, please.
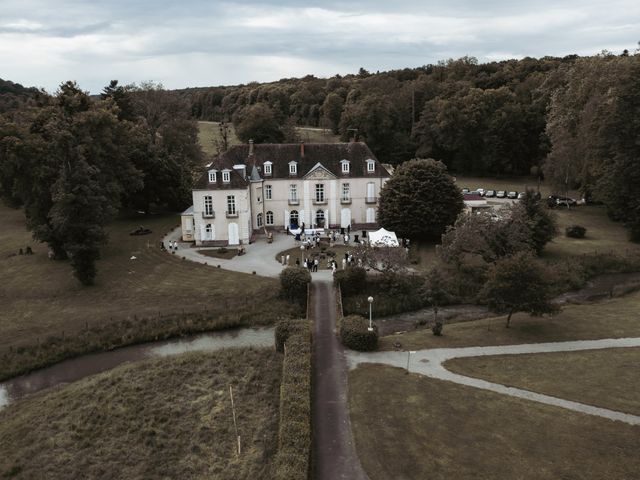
(615, 318)
(412, 427)
(597, 377)
(163, 418)
(226, 253)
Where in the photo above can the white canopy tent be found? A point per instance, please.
(383, 238)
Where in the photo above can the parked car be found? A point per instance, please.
(490, 193)
(512, 195)
(501, 194)
(481, 191)
(520, 195)
(465, 190)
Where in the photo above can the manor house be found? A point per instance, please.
(254, 188)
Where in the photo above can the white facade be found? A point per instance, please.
(264, 194)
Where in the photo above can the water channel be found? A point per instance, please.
(75, 369)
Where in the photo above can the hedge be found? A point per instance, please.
(294, 435)
(294, 281)
(355, 335)
(352, 281)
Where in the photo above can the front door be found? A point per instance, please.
(234, 238)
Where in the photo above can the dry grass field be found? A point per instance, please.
(40, 297)
(158, 419)
(412, 427)
(615, 318)
(597, 377)
(209, 134)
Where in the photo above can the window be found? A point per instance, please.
(293, 219)
(293, 168)
(212, 176)
(319, 192)
(345, 166)
(267, 192)
(231, 205)
(346, 191)
(226, 176)
(371, 192)
(208, 206)
(371, 166)
(293, 192)
(269, 216)
(267, 168)
(259, 220)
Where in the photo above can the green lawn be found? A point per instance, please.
(412, 427)
(41, 298)
(604, 378)
(158, 419)
(616, 318)
(210, 133)
(603, 235)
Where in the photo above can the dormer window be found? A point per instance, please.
(293, 168)
(226, 176)
(267, 168)
(371, 166)
(212, 176)
(345, 166)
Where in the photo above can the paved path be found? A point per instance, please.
(334, 453)
(429, 363)
(260, 256)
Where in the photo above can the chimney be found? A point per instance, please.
(301, 149)
(250, 148)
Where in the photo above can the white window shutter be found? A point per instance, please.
(202, 232)
(286, 218)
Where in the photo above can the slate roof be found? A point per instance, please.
(280, 155)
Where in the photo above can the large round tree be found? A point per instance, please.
(420, 200)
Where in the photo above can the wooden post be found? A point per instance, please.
(235, 424)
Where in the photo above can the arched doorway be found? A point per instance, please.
(320, 218)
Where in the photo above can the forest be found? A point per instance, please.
(573, 121)
(73, 160)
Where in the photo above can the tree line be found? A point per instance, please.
(72, 162)
(573, 120)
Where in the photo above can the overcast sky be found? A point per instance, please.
(208, 42)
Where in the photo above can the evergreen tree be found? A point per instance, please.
(541, 221)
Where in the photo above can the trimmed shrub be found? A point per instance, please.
(352, 281)
(294, 281)
(576, 231)
(294, 434)
(355, 335)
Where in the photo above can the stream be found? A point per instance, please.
(77, 368)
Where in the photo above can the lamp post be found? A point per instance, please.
(370, 300)
(301, 255)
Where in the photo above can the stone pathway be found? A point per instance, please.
(429, 363)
